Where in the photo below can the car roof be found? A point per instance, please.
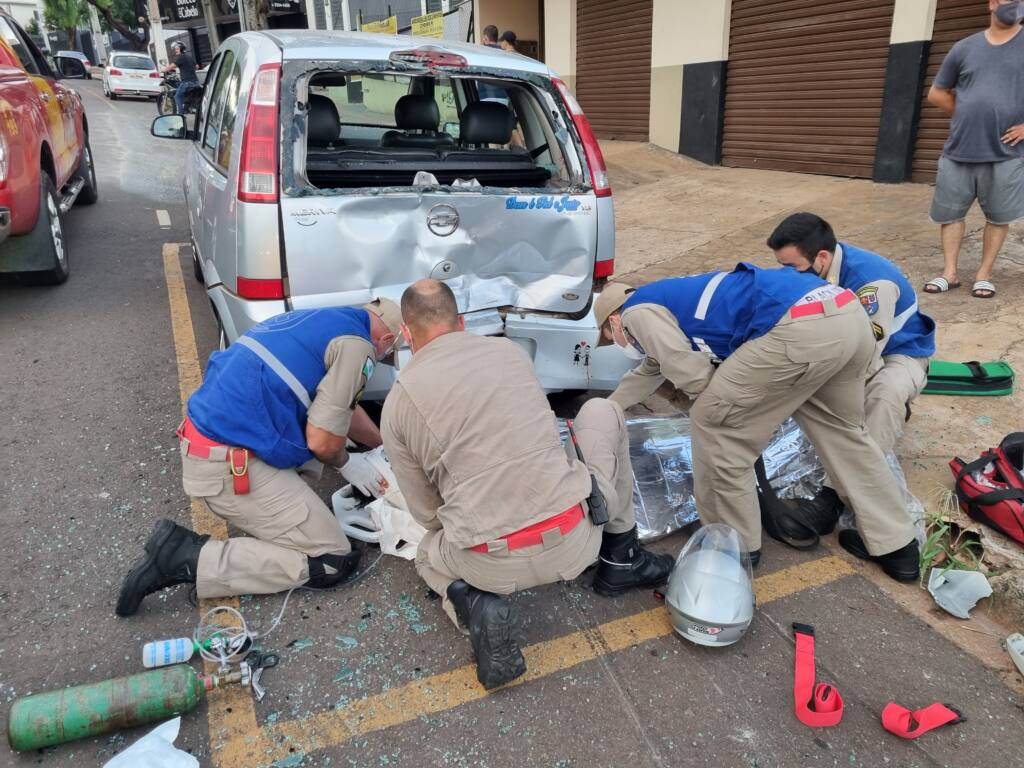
(318, 44)
(73, 54)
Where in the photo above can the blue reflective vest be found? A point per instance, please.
(244, 402)
(719, 311)
(912, 332)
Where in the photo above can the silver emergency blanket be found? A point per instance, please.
(659, 448)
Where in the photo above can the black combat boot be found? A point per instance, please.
(903, 564)
(754, 558)
(822, 512)
(493, 624)
(172, 555)
(624, 564)
(342, 569)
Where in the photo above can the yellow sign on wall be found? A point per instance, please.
(431, 25)
(388, 26)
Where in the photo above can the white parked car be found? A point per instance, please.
(131, 74)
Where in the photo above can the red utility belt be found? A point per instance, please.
(534, 534)
(200, 446)
(818, 307)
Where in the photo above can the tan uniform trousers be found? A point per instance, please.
(602, 434)
(898, 382)
(285, 518)
(814, 369)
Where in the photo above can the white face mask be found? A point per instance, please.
(631, 350)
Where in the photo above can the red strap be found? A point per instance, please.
(534, 534)
(818, 705)
(240, 470)
(910, 725)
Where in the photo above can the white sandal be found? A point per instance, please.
(983, 285)
(940, 284)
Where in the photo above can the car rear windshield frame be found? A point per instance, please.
(295, 78)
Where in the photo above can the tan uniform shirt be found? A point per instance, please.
(473, 442)
(670, 355)
(887, 294)
(349, 361)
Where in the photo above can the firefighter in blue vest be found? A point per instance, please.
(279, 401)
(753, 347)
(904, 336)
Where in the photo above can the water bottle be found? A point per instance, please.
(161, 653)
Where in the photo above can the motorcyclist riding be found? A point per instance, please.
(185, 65)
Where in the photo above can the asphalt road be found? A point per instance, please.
(374, 674)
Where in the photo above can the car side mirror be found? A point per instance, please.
(169, 127)
(69, 68)
(452, 129)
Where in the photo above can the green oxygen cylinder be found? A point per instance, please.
(55, 717)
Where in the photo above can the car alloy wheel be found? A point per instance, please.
(56, 231)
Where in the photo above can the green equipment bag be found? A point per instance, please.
(973, 378)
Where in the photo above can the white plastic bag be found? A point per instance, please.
(155, 750)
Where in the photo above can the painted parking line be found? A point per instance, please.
(230, 711)
(447, 690)
(163, 218)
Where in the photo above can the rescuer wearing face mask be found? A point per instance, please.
(904, 336)
(784, 343)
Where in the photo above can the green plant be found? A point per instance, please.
(33, 28)
(65, 16)
(946, 544)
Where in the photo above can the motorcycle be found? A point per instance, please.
(165, 101)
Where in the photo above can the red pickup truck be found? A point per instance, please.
(45, 161)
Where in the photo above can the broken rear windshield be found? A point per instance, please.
(383, 129)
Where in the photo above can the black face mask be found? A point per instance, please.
(810, 270)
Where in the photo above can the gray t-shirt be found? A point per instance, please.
(989, 84)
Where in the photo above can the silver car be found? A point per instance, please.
(327, 169)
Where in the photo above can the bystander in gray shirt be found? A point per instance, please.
(989, 84)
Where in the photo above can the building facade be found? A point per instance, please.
(817, 86)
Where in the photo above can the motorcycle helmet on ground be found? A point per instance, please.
(710, 596)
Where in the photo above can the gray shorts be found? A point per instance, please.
(998, 187)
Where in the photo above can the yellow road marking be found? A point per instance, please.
(459, 686)
(230, 711)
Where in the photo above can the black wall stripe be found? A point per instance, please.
(703, 111)
(901, 110)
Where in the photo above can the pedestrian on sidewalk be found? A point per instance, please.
(477, 455)
(280, 400)
(508, 41)
(904, 336)
(490, 36)
(753, 347)
(981, 85)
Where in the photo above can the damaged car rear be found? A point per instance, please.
(328, 169)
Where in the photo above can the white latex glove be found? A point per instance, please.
(360, 472)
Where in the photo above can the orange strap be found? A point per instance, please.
(534, 534)
(818, 706)
(239, 458)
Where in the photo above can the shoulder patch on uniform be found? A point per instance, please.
(869, 298)
(877, 330)
(367, 372)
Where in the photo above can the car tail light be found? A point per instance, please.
(253, 288)
(595, 160)
(114, 72)
(155, 74)
(257, 167)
